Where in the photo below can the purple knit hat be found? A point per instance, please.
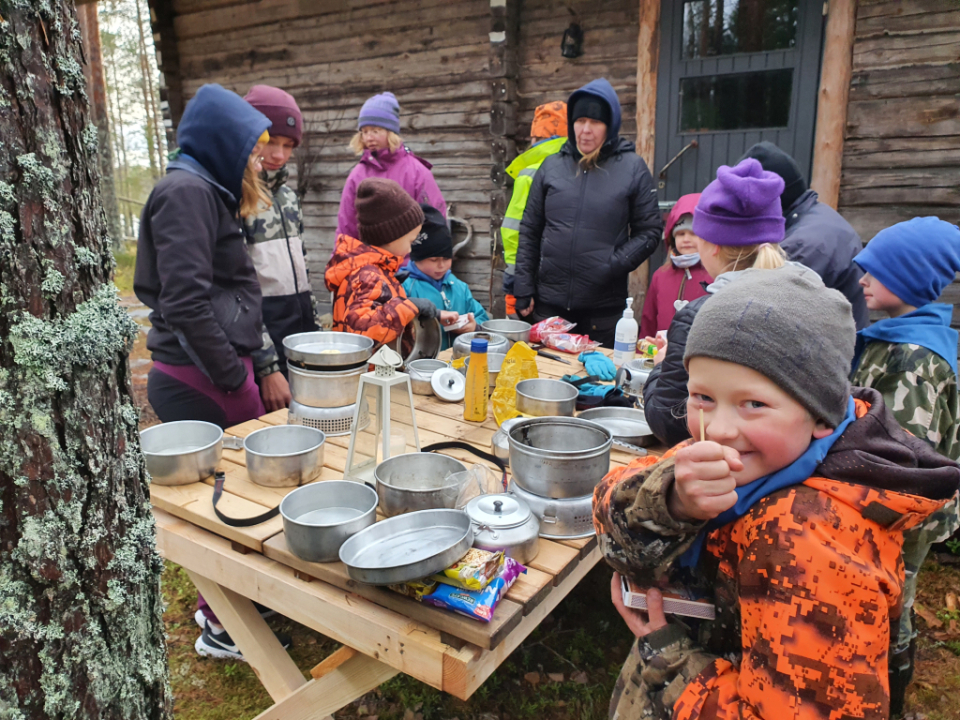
(381, 110)
(741, 207)
(281, 108)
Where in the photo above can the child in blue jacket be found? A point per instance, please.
(431, 256)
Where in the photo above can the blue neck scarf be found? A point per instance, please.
(749, 495)
(928, 326)
(418, 274)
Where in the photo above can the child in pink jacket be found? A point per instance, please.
(678, 281)
(384, 155)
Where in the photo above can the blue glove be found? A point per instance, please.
(596, 390)
(598, 364)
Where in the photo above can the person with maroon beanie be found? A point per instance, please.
(274, 237)
(682, 278)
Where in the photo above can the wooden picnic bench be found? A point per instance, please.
(382, 632)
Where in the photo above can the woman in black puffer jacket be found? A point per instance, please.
(591, 219)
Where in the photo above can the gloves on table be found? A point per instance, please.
(598, 364)
(425, 308)
(596, 390)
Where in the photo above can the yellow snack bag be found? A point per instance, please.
(512, 371)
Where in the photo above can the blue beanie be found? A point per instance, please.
(381, 110)
(915, 259)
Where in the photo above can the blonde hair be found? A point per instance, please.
(255, 197)
(765, 256)
(591, 159)
(394, 142)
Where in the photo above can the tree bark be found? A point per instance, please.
(81, 630)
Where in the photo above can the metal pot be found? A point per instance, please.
(559, 457)
(560, 519)
(318, 518)
(513, 330)
(420, 372)
(182, 452)
(417, 481)
(626, 424)
(327, 349)
(284, 455)
(496, 343)
(632, 376)
(420, 339)
(542, 397)
(325, 389)
(494, 363)
(504, 522)
(499, 443)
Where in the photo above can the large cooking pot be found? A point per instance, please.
(513, 330)
(560, 519)
(318, 518)
(543, 397)
(325, 388)
(417, 481)
(284, 455)
(182, 452)
(327, 349)
(559, 457)
(496, 343)
(420, 339)
(504, 522)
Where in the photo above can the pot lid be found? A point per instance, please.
(498, 510)
(448, 384)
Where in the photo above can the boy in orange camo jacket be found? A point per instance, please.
(789, 514)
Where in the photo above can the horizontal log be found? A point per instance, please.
(913, 81)
(893, 153)
(909, 179)
(900, 8)
(933, 47)
(903, 117)
(919, 22)
(868, 220)
(412, 94)
(920, 197)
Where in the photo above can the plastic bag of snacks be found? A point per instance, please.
(570, 343)
(519, 364)
(473, 571)
(551, 325)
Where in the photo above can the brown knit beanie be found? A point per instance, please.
(385, 212)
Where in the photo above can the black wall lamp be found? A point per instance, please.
(572, 44)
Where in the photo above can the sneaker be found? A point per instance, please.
(264, 611)
(220, 644)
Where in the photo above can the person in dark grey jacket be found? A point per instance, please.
(194, 272)
(816, 236)
(591, 219)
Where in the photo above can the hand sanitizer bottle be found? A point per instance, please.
(625, 339)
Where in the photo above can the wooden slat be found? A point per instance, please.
(555, 559)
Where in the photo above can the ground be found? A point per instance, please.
(566, 669)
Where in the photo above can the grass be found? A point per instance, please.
(126, 259)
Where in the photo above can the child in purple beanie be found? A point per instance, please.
(739, 225)
(384, 155)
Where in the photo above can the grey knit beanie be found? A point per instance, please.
(788, 326)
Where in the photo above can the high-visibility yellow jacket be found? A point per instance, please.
(522, 170)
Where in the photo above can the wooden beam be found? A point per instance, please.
(835, 74)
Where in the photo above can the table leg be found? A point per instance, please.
(349, 681)
(260, 647)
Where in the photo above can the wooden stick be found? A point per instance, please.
(703, 435)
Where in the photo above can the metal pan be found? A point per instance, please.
(626, 424)
(324, 349)
(407, 547)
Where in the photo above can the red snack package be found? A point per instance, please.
(570, 343)
(550, 326)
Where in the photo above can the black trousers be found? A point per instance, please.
(600, 325)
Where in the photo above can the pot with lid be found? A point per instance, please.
(496, 344)
(504, 522)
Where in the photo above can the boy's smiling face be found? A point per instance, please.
(747, 412)
(435, 267)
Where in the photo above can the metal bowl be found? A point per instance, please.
(420, 372)
(626, 424)
(417, 481)
(284, 455)
(409, 547)
(512, 330)
(325, 388)
(541, 397)
(559, 457)
(327, 349)
(182, 452)
(420, 339)
(494, 363)
(496, 343)
(319, 517)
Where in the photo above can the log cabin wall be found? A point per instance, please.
(902, 147)
(331, 55)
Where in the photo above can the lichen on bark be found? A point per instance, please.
(81, 631)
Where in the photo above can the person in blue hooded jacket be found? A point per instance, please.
(194, 272)
(591, 219)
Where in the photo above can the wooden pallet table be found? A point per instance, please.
(383, 633)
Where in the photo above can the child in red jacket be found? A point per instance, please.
(679, 280)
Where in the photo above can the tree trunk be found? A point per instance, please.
(81, 631)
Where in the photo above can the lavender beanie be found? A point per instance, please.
(741, 207)
(381, 110)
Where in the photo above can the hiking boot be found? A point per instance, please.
(220, 644)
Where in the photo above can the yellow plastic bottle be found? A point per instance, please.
(477, 391)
